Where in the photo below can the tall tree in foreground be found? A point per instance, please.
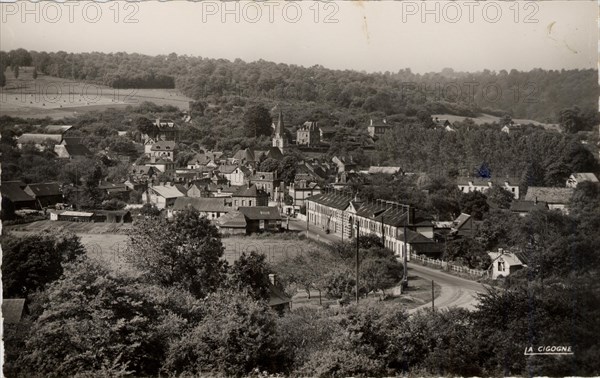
(236, 336)
(31, 262)
(257, 121)
(185, 252)
(97, 322)
(251, 273)
(474, 204)
(499, 197)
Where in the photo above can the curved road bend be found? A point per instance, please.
(455, 291)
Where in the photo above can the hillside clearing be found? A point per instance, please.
(49, 96)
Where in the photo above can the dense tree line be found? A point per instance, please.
(536, 94)
(416, 148)
(86, 319)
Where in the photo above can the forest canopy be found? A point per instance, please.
(537, 94)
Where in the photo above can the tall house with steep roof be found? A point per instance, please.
(280, 139)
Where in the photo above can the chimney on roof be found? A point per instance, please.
(371, 123)
(273, 279)
(501, 251)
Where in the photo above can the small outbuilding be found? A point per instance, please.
(505, 263)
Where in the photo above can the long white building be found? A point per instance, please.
(338, 213)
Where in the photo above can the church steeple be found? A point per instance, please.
(279, 137)
(280, 128)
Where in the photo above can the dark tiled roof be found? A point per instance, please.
(39, 138)
(327, 129)
(260, 213)
(246, 154)
(526, 206)
(413, 237)
(230, 189)
(369, 210)
(274, 153)
(277, 296)
(234, 219)
(57, 129)
(389, 214)
(245, 191)
(45, 189)
(202, 204)
(227, 168)
(77, 150)
(398, 216)
(141, 169)
(71, 140)
(549, 195)
(119, 213)
(461, 220)
(164, 146)
(14, 192)
(335, 200)
(245, 171)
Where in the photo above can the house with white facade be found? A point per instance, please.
(211, 208)
(505, 263)
(163, 196)
(479, 184)
(580, 177)
(555, 198)
(396, 224)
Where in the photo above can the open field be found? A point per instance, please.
(103, 241)
(74, 227)
(488, 118)
(274, 249)
(53, 97)
(106, 242)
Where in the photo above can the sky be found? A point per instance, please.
(360, 35)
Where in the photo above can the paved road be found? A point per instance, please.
(455, 291)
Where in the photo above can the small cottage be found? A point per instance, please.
(505, 263)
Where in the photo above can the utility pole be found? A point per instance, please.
(382, 231)
(432, 298)
(342, 226)
(357, 262)
(405, 283)
(307, 216)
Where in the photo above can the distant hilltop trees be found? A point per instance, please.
(536, 94)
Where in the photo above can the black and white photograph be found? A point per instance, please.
(300, 188)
